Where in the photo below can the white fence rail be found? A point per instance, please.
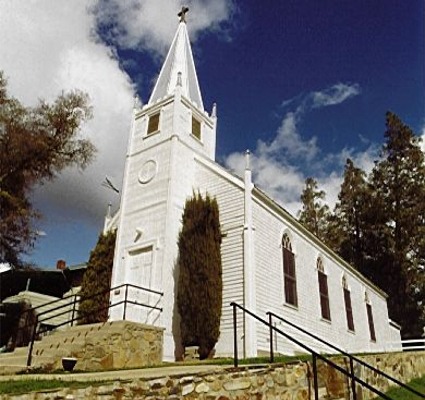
(413, 344)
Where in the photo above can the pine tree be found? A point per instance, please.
(97, 279)
(314, 213)
(348, 223)
(378, 224)
(395, 237)
(199, 292)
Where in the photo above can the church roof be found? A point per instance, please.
(179, 60)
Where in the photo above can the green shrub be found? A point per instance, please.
(97, 279)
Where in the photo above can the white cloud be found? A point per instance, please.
(288, 141)
(423, 139)
(51, 45)
(146, 24)
(54, 50)
(334, 95)
(281, 182)
(330, 96)
(364, 159)
(276, 166)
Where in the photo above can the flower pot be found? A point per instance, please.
(68, 363)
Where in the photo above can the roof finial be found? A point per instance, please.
(182, 14)
(247, 160)
(214, 110)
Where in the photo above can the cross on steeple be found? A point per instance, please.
(182, 14)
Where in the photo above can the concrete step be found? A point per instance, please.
(76, 335)
(49, 350)
(21, 357)
(14, 363)
(18, 351)
(70, 342)
(12, 359)
(11, 369)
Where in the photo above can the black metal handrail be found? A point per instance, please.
(315, 355)
(339, 350)
(37, 329)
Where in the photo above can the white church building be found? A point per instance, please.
(270, 261)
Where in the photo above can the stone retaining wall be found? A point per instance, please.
(121, 345)
(402, 366)
(288, 382)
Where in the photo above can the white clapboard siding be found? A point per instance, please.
(230, 197)
(270, 224)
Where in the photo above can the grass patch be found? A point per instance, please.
(36, 385)
(403, 394)
(278, 359)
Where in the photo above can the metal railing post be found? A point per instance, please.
(356, 359)
(235, 336)
(352, 378)
(33, 334)
(73, 310)
(47, 315)
(315, 380)
(125, 302)
(271, 338)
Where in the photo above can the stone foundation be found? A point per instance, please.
(288, 382)
(402, 366)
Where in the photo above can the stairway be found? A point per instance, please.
(48, 352)
(97, 347)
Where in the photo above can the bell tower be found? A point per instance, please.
(167, 136)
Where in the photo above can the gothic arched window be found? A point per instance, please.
(290, 280)
(370, 318)
(323, 290)
(347, 302)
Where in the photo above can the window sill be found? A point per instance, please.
(196, 138)
(350, 331)
(291, 306)
(328, 321)
(149, 135)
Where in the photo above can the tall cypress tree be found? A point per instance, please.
(97, 279)
(199, 291)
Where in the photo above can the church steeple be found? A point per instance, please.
(179, 68)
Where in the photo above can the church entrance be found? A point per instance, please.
(140, 268)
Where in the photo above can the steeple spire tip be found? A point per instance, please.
(182, 14)
(179, 60)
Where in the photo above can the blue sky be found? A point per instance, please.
(303, 84)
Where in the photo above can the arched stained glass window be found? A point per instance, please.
(347, 302)
(323, 290)
(370, 319)
(289, 274)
